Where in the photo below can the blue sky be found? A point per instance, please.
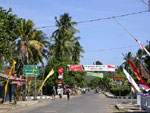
(101, 40)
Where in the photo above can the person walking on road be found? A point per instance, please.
(68, 93)
(60, 92)
(53, 93)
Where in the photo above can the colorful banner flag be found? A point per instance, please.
(50, 73)
(131, 80)
(143, 47)
(29, 85)
(144, 86)
(30, 80)
(141, 61)
(133, 89)
(10, 73)
(60, 71)
(135, 69)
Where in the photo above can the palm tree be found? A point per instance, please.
(77, 53)
(127, 57)
(29, 44)
(62, 40)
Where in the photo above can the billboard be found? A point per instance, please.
(75, 68)
(99, 67)
(100, 75)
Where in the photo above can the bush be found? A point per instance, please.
(124, 90)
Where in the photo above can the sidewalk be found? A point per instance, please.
(130, 107)
(126, 106)
(25, 105)
(8, 107)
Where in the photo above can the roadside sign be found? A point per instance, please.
(118, 77)
(100, 75)
(99, 67)
(28, 70)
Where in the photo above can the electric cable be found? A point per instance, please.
(99, 19)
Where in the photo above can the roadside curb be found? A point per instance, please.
(130, 108)
(110, 95)
(43, 97)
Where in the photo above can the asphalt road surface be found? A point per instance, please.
(86, 103)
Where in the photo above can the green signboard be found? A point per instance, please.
(28, 70)
(100, 75)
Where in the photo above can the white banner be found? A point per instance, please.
(99, 67)
(131, 80)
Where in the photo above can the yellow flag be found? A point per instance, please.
(50, 73)
(30, 81)
(10, 73)
(29, 85)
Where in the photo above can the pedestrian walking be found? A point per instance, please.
(68, 93)
(60, 92)
(53, 93)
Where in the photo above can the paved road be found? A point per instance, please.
(87, 103)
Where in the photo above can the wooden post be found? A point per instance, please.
(10, 92)
(4, 92)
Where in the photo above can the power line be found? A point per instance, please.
(99, 19)
(106, 18)
(116, 48)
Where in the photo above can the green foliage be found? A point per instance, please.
(8, 34)
(105, 82)
(32, 87)
(70, 78)
(148, 82)
(123, 90)
(64, 50)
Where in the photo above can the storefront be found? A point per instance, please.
(13, 85)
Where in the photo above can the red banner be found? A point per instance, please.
(59, 82)
(75, 68)
(60, 70)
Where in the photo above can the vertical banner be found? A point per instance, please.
(10, 73)
(61, 72)
(30, 80)
(131, 80)
(50, 74)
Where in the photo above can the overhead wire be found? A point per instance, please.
(100, 19)
(116, 48)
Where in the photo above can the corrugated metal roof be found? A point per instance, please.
(4, 77)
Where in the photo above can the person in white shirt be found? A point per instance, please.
(60, 92)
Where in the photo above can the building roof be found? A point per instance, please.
(4, 77)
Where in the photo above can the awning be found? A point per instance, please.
(18, 81)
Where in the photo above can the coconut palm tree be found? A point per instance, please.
(77, 53)
(62, 40)
(127, 57)
(31, 43)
